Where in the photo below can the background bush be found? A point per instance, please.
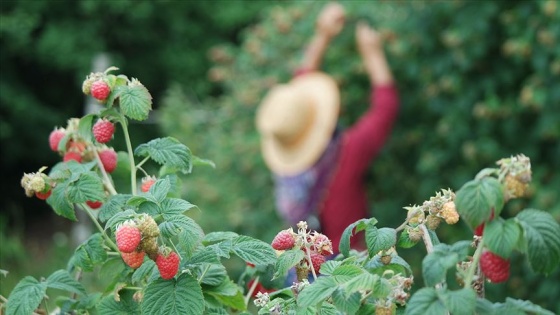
(478, 81)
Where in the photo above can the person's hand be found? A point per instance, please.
(368, 40)
(331, 20)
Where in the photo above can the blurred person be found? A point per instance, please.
(319, 168)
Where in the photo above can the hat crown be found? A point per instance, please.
(287, 121)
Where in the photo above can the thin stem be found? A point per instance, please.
(92, 217)
(310, 262)
(427, 239)
(251, 290)
(203, 274)
(130, 154)
(410, 215)
(474, 264)
(106, 179)
(78, 277)
(175, 248)
(46, 306)
(3, 299)
(142, 162)
(132, 288)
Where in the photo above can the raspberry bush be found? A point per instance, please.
(162, 262)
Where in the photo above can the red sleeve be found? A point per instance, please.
(365, 138)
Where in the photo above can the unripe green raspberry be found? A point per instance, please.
(414, 234)
(386, 259)
(37, 183)
(449, 213)
(148, 226)
(149, 245)
(432, 222)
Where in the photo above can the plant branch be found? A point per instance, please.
(410, 215)
(426, 237)
(130, 154)
(203, 274)
(101, 229)
(474, 264)
(142, 162)
(308, 252)
(251, 290)
(106, 179)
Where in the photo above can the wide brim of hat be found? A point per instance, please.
(323, 92)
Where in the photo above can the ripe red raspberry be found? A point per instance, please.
(322, 244)
(147, 182)
(479, 230)
(55, 137)
(134, 259)
(108, 158)
(494, 267)
(128, 237)
(317, 260)
(168, 265)
(94, 204)
(71, 155)
(100, 90)
(283, 240)
(43, 195)
(103, 130)
(75, 146)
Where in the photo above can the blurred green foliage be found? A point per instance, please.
(46, 51)
(478, 81)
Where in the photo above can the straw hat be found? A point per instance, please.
(296, 122)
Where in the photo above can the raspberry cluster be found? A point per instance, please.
(316, 247)
(137, 238)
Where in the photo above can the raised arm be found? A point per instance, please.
(366, 137)
(370, 47)
(329, 24)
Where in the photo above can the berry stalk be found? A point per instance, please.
(100, 228)
(106, 179)
(474, 264)
(123, 123)
(308, 252)
(251, 290)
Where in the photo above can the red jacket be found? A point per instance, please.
(345, 200)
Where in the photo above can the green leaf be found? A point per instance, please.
(460, 302)
(160, 189)
(167, 151)
(286, 261)
(89, 253)
(346, 304)
(329, 266)
(228, 293)
(316, 293)
(542, 235)
(114, 205)
(26, 296)
(214, 274)
(202, 162)
(527, 307)
(135, 101)
(380, 239)
(425, 302)
(405, 241)
(126, 306)
(203, 255)
(191, 236)
(85, 125)
(175, 206)
(178, 224)
(476, 199)
(360, 225)
(254, 251)
(444, 257)
(60, 203)
(176, 296)
(88, 187)
(147, 268)
(62, 280)
(365, 281)
(501, 236)
(397, 265)
(219, 236)
(119, 218)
